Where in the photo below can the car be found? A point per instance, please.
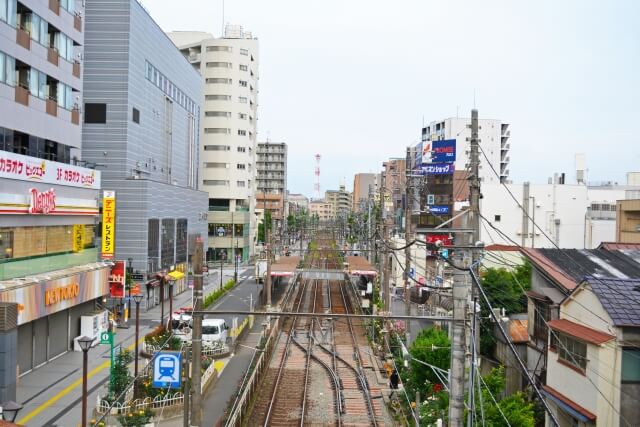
(214, 330)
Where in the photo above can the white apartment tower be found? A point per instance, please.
(494, 140)
(229, 69)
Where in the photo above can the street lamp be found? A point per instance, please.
(172, 281)
(138, 299)
(85, 344)
(9, 411)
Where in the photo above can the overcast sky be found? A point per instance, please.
(354, 80)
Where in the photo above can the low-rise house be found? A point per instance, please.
(593, 356)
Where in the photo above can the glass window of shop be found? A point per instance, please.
(181, 240)
(23, 242)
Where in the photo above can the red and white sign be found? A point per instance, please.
(42, 202)
(26, 168)
(117, 279)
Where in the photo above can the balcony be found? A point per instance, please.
(53, 56)
(23, 38)
(505, 147)
(22, 95)
(54, 5)
(52, 108)
(76, 69)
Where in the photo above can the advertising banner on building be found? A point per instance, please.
(117, 279)
(78, 237)
(443, 151)
(418, 154)
(37, 202)
(39, 299)
(108, 224)
(438, 168)
(26, 168)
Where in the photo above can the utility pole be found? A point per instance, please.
(474, 180)
(408, 236)
(196, 338)
(267, 238)
(458, 331)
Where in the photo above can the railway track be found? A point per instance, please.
(316, 376)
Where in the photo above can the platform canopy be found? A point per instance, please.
(359, 266)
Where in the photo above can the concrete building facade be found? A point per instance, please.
(628, 221)
(141, 125)
(229, 71)
(363, 185)
(271, 168)
(341, 200)
(323, 209)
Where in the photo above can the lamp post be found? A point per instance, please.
(171, 283)
(85, 344)
(138, 299)
(235, 263)
(9, 411)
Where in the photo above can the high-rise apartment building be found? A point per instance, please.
(141, 120)
(341, 200)
(49, 274)
(271, 168)
(229, 72)
(363, 185)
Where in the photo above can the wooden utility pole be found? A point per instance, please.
(196, 337)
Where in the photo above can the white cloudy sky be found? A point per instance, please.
(353, 79)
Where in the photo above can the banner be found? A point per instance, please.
(26, 168)
(443, 151)
(108, 224)
(78, 237)
(439, 168)
(117, 279)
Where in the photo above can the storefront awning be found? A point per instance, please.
(175, 275)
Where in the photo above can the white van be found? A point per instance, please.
(214, 330)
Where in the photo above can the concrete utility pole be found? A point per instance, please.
(196, 337)
(267, 240)
(474, 180)
(408, 236)
(461, 286)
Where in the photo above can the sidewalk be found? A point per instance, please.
(51, 394)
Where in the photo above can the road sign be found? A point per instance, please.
(412, 272)
(106, 338)
(167, 369)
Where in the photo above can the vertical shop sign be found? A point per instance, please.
(108, 223)
(78, 237)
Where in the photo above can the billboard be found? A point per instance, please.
(438, 168)
(25, 168)
(443, 151)
(117, 279)
(417, 152)
(108, 224)
(439, 209)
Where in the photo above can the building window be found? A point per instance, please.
(243, 83)
(242, 132)
(244, 67)
(242, 99)
(541, 316)
(6, 243)
(181, 240)
(216, 182)
(217, 97)
(217, 148)
(217, 130)
(217, 114)
(168, 243)
(240, 183)
(241, 166)
(571, 351)
(95, 113)
(244, 52)
(241, 149)
(242, 116)
(214, 165)
(218, 48)
(218, 64)
(136, 115)
(218, 80)
(630, 365)
(496, 218)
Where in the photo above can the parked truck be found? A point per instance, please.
(261, 270)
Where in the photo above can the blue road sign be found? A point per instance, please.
(166, 369)
(412, 272)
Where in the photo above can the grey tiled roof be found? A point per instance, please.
(619, 297)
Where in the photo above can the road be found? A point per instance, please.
(51, 394)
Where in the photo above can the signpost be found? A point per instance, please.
(167, 369)
(106, 338)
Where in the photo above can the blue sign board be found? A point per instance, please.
(439, 168)
(439, 209)
(412, 272)
(167, 367)
(443, 151)
(444, 253)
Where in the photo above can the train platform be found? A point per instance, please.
(286, 266)
(359, 266)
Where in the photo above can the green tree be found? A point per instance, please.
(267, 220)
(433, 347)
(291, 222)
(504, 290)
(120, 375)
